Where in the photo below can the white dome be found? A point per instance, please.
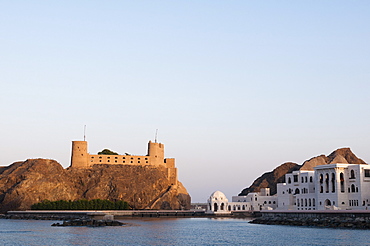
(218, 196)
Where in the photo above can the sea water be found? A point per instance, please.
(176, 231)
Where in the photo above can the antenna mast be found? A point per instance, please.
(84, 132)
(156, 133)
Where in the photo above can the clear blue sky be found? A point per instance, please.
(235, 88)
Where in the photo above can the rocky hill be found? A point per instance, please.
(270, 179)
(25, 183)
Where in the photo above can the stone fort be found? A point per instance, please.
(80, 158)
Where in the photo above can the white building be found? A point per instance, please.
(254, 201)
(332, 186)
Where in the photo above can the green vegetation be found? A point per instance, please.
(95, 204)
(107, 152)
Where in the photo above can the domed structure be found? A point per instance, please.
(217, 203)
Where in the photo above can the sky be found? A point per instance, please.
(235, 88)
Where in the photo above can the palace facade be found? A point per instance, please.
(328, 187)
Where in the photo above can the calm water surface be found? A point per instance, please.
(178, 231)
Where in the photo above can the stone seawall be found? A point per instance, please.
(334, 219)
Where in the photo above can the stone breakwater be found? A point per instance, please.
(43, 216)
(328, 220)
(89, 223)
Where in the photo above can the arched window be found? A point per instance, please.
(234, 207)
(298, 202)
(296, 191)
(289, 180)
(215, 207)
(302, 180)
(353, 188)
(321, 179)
(352, 174)
(229, 208)
(313, 202)
(321, 189)
(341, 177)
(305, 179)
(332, 182)
(311, 179)
(309, 202)
(356, 189)
(305, 202)
(243, 207)
(327, 183)
(222, 206)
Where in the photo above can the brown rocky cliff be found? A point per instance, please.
(270, 179)
(25, 183)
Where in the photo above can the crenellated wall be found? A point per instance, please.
(80, 158)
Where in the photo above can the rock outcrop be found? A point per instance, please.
(270, 179)
(143, 187)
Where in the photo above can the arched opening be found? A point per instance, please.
(229, 208)
(341, 177)
(305, 202)
(305, 179)
(215, 207)
(243, 208)
(296, 191)
(234, 207)
(302, 180)
(327, 202)
(313, 202)
(353, 188)
(222, 207)
(352, 174)
(321, 189)
(321, 180)
(210, 207)
(289, 180)
(309, 202)
(311, 179)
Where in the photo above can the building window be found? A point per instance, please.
(367, 173)
(289, 180)
(353, 188)
(341, 177)
(296, 191)
(321, 179)
(327, 183)
(295, 178)
(352, 174)
(332, 182)
(311, 179)
(302, 180)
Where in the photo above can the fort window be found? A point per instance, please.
(138, 162)
(108, 160)
(146, 162)
(115, 157)
(132, 162)
(115, 161)
(367, 173)
(124, 162)
(123, 157)
(108, 157)
(146, 158)
(138, 158)
(92, 157)
(132, 158)
(99, 160)
(100, 157)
